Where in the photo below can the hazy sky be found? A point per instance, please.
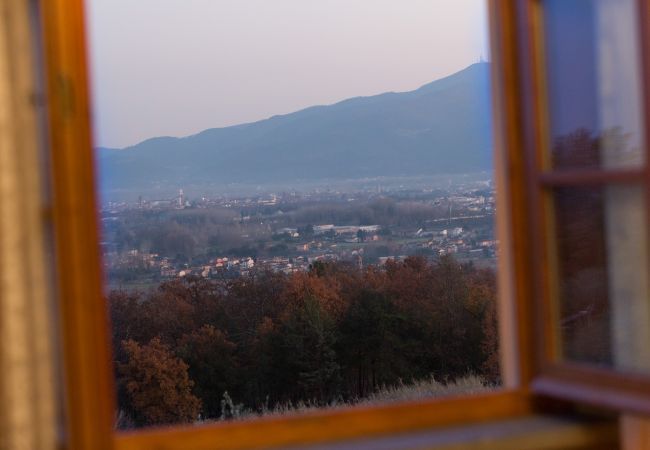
(176, 67)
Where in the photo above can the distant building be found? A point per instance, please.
(181, 199)
(455, 232)
(320, 229)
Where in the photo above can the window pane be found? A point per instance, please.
(320, 232)
(602, 268)
(593, 83)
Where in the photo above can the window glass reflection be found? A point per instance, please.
(593, 83)
(602, 266)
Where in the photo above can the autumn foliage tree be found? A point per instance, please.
(156, 388)
(334, 333)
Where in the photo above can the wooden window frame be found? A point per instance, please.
(564, 379)
(89, 384)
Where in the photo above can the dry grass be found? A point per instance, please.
(427, 389)
(418, 390)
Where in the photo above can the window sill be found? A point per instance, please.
(335, 425)
(526, 433)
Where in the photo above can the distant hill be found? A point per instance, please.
(441, 128)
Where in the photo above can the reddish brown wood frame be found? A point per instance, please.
(88, 383)
(564, 379)
(88, 379)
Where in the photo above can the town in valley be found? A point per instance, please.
(225, 236)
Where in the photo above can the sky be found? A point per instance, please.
(177, 67)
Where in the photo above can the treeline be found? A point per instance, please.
(204, 233)
(384, 211)
(333, 334)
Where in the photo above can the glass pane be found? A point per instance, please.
(593, 83)
(602, 270)
(320, 231)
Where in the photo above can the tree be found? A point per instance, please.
(305, 357)
(170, 312)
(369, 346)
(490, 344)
(333, 332)
(127, 320)
(319, 286)
(211, 359)
(154, 385)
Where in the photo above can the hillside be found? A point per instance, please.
(443, 127)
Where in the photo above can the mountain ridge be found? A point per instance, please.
(441, 127)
